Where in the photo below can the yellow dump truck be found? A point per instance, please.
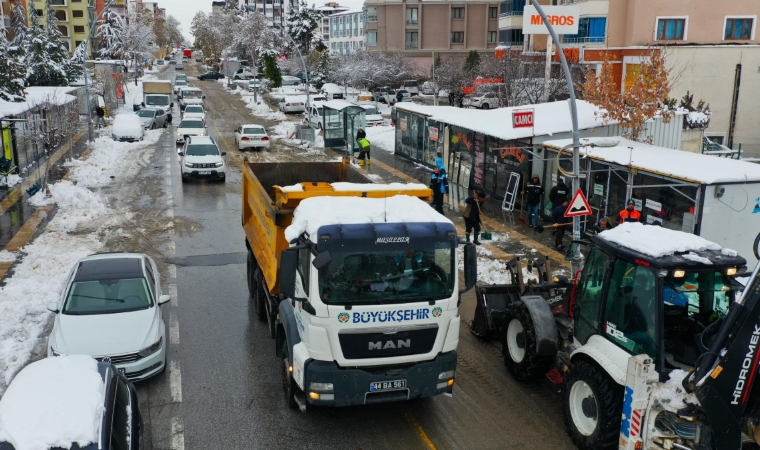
(353, 278)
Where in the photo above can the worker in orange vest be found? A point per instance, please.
(629, 214)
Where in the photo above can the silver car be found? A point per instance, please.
(152, 118)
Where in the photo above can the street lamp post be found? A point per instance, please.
(90, 131)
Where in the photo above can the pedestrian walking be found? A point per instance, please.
(439, 183)
(559, 219)
(629, 214)
(364, 153)
(535, 190)
(472, 218)
(101, 116)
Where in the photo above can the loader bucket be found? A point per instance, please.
(492, 302)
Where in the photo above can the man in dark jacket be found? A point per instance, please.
(559, 193)
(100, 112)
(535, 190)
(472, 215)
(558, 215)
(360, 133)
(439, 183)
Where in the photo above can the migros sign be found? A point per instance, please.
(554, 20)
(564, 19)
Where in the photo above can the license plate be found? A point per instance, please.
(204, 172)
(387, 385)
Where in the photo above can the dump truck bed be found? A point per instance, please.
(272, 191)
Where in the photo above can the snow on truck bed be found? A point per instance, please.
(315, 212)
(53, 402)
(658, 241)
(362, 187)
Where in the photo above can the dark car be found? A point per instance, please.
(210, 75)
(46, 384)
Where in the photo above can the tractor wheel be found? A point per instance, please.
(289, 387)
(518, 345)
(593, 405)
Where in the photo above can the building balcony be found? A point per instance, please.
(511, 13)
(514, 21)
(584, 40)
(512, 44)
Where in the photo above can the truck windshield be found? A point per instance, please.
(157, 100)
(389, 277)
(192, 94)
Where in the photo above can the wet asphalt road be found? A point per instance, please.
(222, 387)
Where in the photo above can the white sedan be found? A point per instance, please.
(194, 112)
(190, 127)
(111, 308)
(251, 136)
(293, 104)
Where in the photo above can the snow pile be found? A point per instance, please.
(294, 188)
(11, 181)
(656, 241)
(729, 252)
(127, 125)
(76, 205)
(672, 394)
(365, 187)
(53, 402)
(284, 130)
(6, 256)
(691, 256)
(261, 108)
(697, 119)
(382, 137)
(109, 160)
(490, 270)
(315, 212)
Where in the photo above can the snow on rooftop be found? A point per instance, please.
(680, 164)
(53, 402)
(36, 96)
(315, 212)
(656, 241)
(345, 13)
(548, 118)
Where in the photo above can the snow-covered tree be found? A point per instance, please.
(255, 36)
(41, 68)
(137, 39)
(370, 69)
(77, 61)
(110, 31)
(12, 73)
(18, 25)
(59, 52)
(304, 24)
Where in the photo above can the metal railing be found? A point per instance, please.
(511, 13)
(512, 43)
(411, 21)
(584, 40)
(572, 2)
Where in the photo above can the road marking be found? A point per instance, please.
(173, 329)
(175, 381)
(420, 431)
(171, 247)
(173, 274)
(170, 213)
(178, 434)
(173, 291)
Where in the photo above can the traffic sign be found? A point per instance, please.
(579, 206)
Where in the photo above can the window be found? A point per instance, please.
(58, 2)
(493, 13)
(78, 43)
(78, 28)
(492, 35)
(60, 15)
(511, 36)
(372, 14)
(39, 12)
(512, 7)
(411, 40)
(304, 256)
(77, 13)
(63, 29)
(457, 13)
(631, 309)
(411, 16)
(457, 37)
(670, 29)
(590, 29)
(740, 29)
(371, 38)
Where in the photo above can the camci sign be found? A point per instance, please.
(522, 119)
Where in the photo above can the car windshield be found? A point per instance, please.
(146, 113)
(194, 109)
(157, 100)
(253, 131)
(191, 124)
(201, 150)
(193, 94)
(369, 111)
(389, 277)
(181, 83)
(108, 296)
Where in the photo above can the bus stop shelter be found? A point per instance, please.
(342, 120)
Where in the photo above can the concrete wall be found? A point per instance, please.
(436, 32)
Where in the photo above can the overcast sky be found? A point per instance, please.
(184, 10)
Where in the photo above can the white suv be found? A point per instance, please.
(201, 158)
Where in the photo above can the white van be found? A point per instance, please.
(411, 87)
(315, 115)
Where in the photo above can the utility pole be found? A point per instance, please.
(93, 26)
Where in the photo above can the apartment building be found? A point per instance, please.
(712, 47)
(274, 9)
(418, 28)
(327, 10)
(347, 32)
(74, 18)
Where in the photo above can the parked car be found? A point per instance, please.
(160, 62)
(211, 75)
(127, 127)
(486, 101)
(288, 80)
(371, 115)
(194, 112)
(429, 88)
(190, 127)
(405, 96)
(380, 94)
(111, 307)
(153, 118)
(251, 136)
(332, 91)
(254, 84)
(167, 58)
(293, 104)
(180, 66)
(411, 87)
(201, 158)
(244, 73)
(71, 402)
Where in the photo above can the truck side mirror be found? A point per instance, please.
(322, 260)
(470, 267)
(288, 267)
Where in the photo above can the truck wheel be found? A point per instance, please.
(593, 405)
(518, 345)
(289, 387)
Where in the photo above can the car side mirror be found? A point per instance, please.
(224, 153)
(164, 299)
(181, 153)
(142, 104)
(322, 260)
(288, 267)
(204, 97)
(470, 267)
(52, 307)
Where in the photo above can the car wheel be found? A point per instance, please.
(184, 179)
(153, 126)
(592, 407)
(166, 122)
(486, 106)
(289, 387)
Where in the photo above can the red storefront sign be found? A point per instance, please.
(522, 119)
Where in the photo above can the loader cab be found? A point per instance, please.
(669, 307)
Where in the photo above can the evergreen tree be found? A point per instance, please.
(41, 69)
(472, 63)
(272, 70)
(18, 25)
(110, 32)
(11, 73)
(58, 50)
(77, 61)
(304, 25)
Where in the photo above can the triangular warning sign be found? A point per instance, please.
(579, 206)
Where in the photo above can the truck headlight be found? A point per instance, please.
(321, 387)
(147, 351)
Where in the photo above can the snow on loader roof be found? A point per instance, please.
(657, 241)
